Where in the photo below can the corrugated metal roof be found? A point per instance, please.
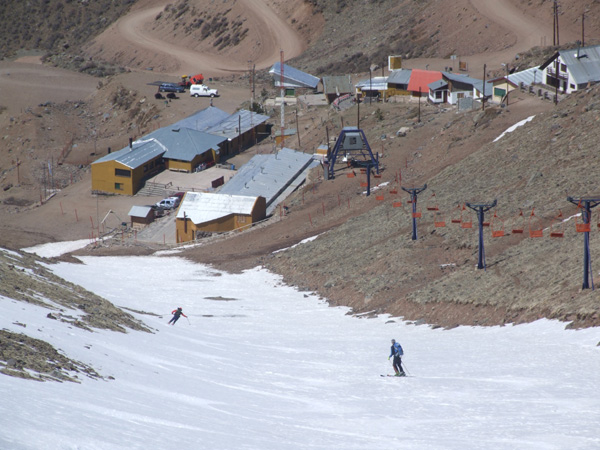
(400, 76)
(229, 127)
(583, 63)
(420, 79)
(139, 211)
(338, 85)
(141, 153)
(292, 77)
(184, 144)
(203, 119)
(527, 77)
(267, 175)
(438, 84)
(373, 84)
(474, 82)
(202, 207)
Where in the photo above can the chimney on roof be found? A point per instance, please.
(109, 150)
(131, 143)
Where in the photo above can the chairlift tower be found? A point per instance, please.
(481, 209)
(353, 143)
(414, 192)
(586, 204)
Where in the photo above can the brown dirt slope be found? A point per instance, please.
(364, 256)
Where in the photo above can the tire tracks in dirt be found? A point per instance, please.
(274, 35)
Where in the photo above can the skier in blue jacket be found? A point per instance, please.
(396, 353)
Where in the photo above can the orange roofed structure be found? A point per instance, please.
(420, 79)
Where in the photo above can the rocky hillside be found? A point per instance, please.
(55, 26)
(25, 279)
(532, 169)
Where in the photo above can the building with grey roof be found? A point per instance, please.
(186, 149)
(373, 87)
(337, 86)
(202, 213)
(573, 69)
(241, 130)
(527, 77)
(399, 79)
(462, 86)
(203, 119)
(125, 171)
(292, 78)
(271, 176)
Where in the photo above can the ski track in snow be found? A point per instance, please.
(280, 369)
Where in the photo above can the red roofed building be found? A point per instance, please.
(420, 80)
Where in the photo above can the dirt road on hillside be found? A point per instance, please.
(274, 35)
(526, 32)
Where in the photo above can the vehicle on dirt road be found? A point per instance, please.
(170, 87)
(187, 81)
(201, 90)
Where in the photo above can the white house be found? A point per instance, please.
(573, 69)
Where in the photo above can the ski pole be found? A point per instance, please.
(406, 368)
(188, 319)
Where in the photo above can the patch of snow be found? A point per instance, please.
(514, 127)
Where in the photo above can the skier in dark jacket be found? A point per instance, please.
(176, 313)
(396, 353)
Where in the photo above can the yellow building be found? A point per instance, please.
(501, 88)
(186, 149)
(125, 171)
(202, 212)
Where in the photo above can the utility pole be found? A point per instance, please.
(282, 100)
(557, 27)
(483, 99)
(583, 29)
(419, 119)
(481, 209)
(414, 192)
(586, 204)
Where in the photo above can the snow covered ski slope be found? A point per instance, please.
(262, 366)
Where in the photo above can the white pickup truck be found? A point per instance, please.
(201, 90)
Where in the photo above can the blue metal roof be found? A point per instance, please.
(437, 84)
(203, 119)
(583, 63)
(267, 175)
(292, 77)
(527, 77)
(229, 127)
(339, 85)
(140, 153)
(184, 144)
(400, 76)
(373, 84)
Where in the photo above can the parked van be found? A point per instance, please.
(201, 90)
(168, 203)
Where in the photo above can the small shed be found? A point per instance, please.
(141, 216)
(501, 88)
(337, 86)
